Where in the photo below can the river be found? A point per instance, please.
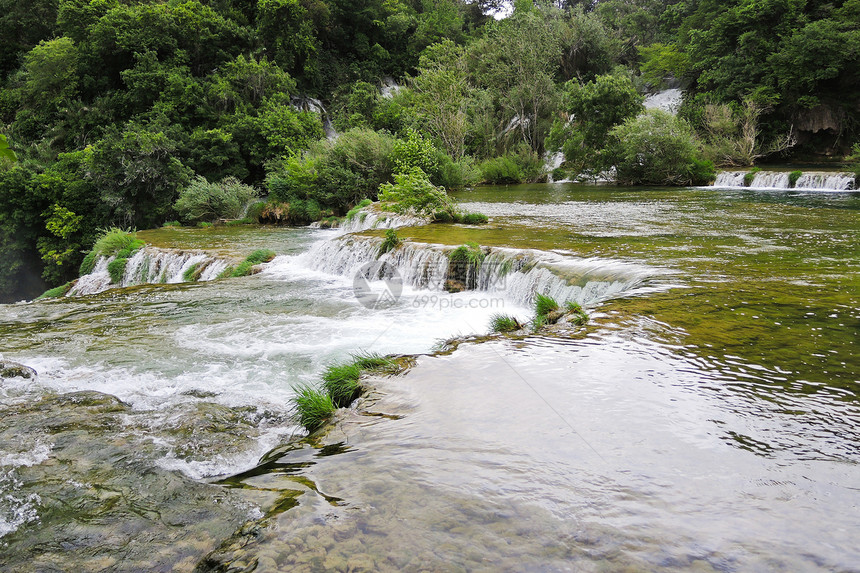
(705, 419)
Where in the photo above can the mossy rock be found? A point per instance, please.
(10, 369)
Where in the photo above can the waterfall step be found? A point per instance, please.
(808, 180)
(151, 265)
(513, 274)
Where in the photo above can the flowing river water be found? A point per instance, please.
(706, 418)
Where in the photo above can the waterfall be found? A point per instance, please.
(514, 274)
(811, 181)
(667, 100)
(313, 105)
(151, 265)
(553, 161)
(388, 88)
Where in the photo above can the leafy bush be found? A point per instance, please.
(414, 151)
(204, 201)
(500, 170)
(412, 192)
(455, 174)
(355, 210)
(657, 148)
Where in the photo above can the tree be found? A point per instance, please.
(657, 148)
(442, 95)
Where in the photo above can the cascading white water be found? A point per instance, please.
(667, 100)
(818, 181)
(151, 265)
(834, 181)
(371, 219)
(514, 274)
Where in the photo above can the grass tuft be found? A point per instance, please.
(390, 243)
(355, 210)
(313, 406)
(56, 292)
(244, 269)
(793, 177)
(341, 381)
(89, 263)
(750, 176)
(544, 304)
(116, 270)
(374, 362)
(504, 323)
(470, 253)
(474, 219)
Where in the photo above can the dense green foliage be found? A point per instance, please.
(116, 113)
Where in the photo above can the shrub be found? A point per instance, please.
(341, 381)
(504, 323)
(389, 243)
(455, 174)
(413, 192)
(657, 148)
(544, 304)
(255, 210)
(313, 406)
(442, 217)
(749, 176)
(414, 151)
(204, 201)
(793, 177)
(500, 170)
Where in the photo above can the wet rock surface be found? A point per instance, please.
(10, 369)
(94, 499)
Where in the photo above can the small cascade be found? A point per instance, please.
(553, 161)
(388, 88)
(369, 218)
(667, 100)
(151, 265)
(811, 181)
(510, 273)
(828, 181)
(313, 105)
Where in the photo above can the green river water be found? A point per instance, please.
(706, 418)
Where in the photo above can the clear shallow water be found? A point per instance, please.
(707, 423)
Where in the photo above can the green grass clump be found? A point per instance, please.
(474, 219)
(374, 362)
(793, 177)
(89, 263)
(341, 381)
(538, 322)
(204, 225)
(469, 253)
(354, 211)
(227, 272)
(192, 273)
(257, 257)
(442, 217)
(390, 243)
(578, 315)
(237, 222)
(172, 224)
(116, 270)
(56, 292)
(544, 304)
(750, 176)
(504, 323)
(313, 406)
